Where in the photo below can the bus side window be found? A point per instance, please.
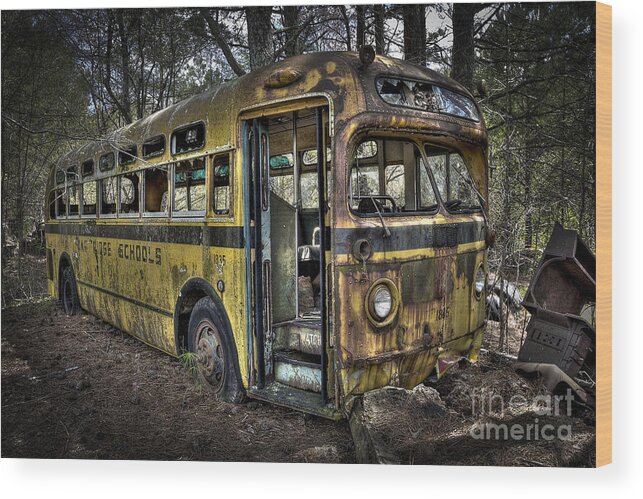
(221, 185)
(74, 199)
(89, 198)
(109, 195)
(61, 203)
(189, 187)
(155, 188)
(129, 193)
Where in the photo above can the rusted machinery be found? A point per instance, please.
(561, 336)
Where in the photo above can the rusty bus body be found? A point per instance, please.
(213, 206)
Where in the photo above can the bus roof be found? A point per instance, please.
(341, 76)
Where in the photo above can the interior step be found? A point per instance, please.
(298, 370)
(301, 335)
(293, 398)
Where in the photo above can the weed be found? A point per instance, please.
(188, 360)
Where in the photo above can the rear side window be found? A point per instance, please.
(72, 175)
(127, 155)
(87, 168)
(189, 138)
(106, 162)
(154, 146)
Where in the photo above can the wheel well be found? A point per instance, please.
(192, 292)
(182, 316)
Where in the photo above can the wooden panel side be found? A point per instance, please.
(604, 234)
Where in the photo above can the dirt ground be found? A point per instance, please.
(78, 388)
(74, 387)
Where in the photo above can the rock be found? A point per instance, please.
(321, 454)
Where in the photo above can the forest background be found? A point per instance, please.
(74, 75)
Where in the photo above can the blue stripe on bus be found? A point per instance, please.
(226, 237)
(402, 238)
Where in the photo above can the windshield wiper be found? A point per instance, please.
(387, 233)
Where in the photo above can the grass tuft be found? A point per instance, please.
(188, 360)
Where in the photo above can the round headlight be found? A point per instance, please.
(381, 302)
(480, 279)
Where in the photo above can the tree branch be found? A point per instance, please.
(219, 40)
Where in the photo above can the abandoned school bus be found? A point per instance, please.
(310, 231)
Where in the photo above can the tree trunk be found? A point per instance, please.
(463, 57)
(291, 25)
(259, 36)
(125, 62)
(213, 25)
(380, 14)
(347, 25)
(360, 15)
(414, 18)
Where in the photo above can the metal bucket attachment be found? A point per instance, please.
(561, 300)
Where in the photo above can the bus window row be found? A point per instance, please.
(184, 139)
(177, 190)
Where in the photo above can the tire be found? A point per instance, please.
(211, 341)
(69, 292)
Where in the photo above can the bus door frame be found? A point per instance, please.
(258, 238)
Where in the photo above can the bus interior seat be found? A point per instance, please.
(308, 253)
(155, 190)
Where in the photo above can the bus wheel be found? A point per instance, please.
(69, 292)
(212, 343)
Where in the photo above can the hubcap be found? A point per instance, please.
(209, 354)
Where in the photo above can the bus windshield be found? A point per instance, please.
(452, 177)
(383, 179)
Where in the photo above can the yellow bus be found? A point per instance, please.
(310, 231)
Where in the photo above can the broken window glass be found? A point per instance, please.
(89, 198)
(188, 139)
(154, 146)
(189, 187)
(109, 196)
(129, 194)
(221, 184)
